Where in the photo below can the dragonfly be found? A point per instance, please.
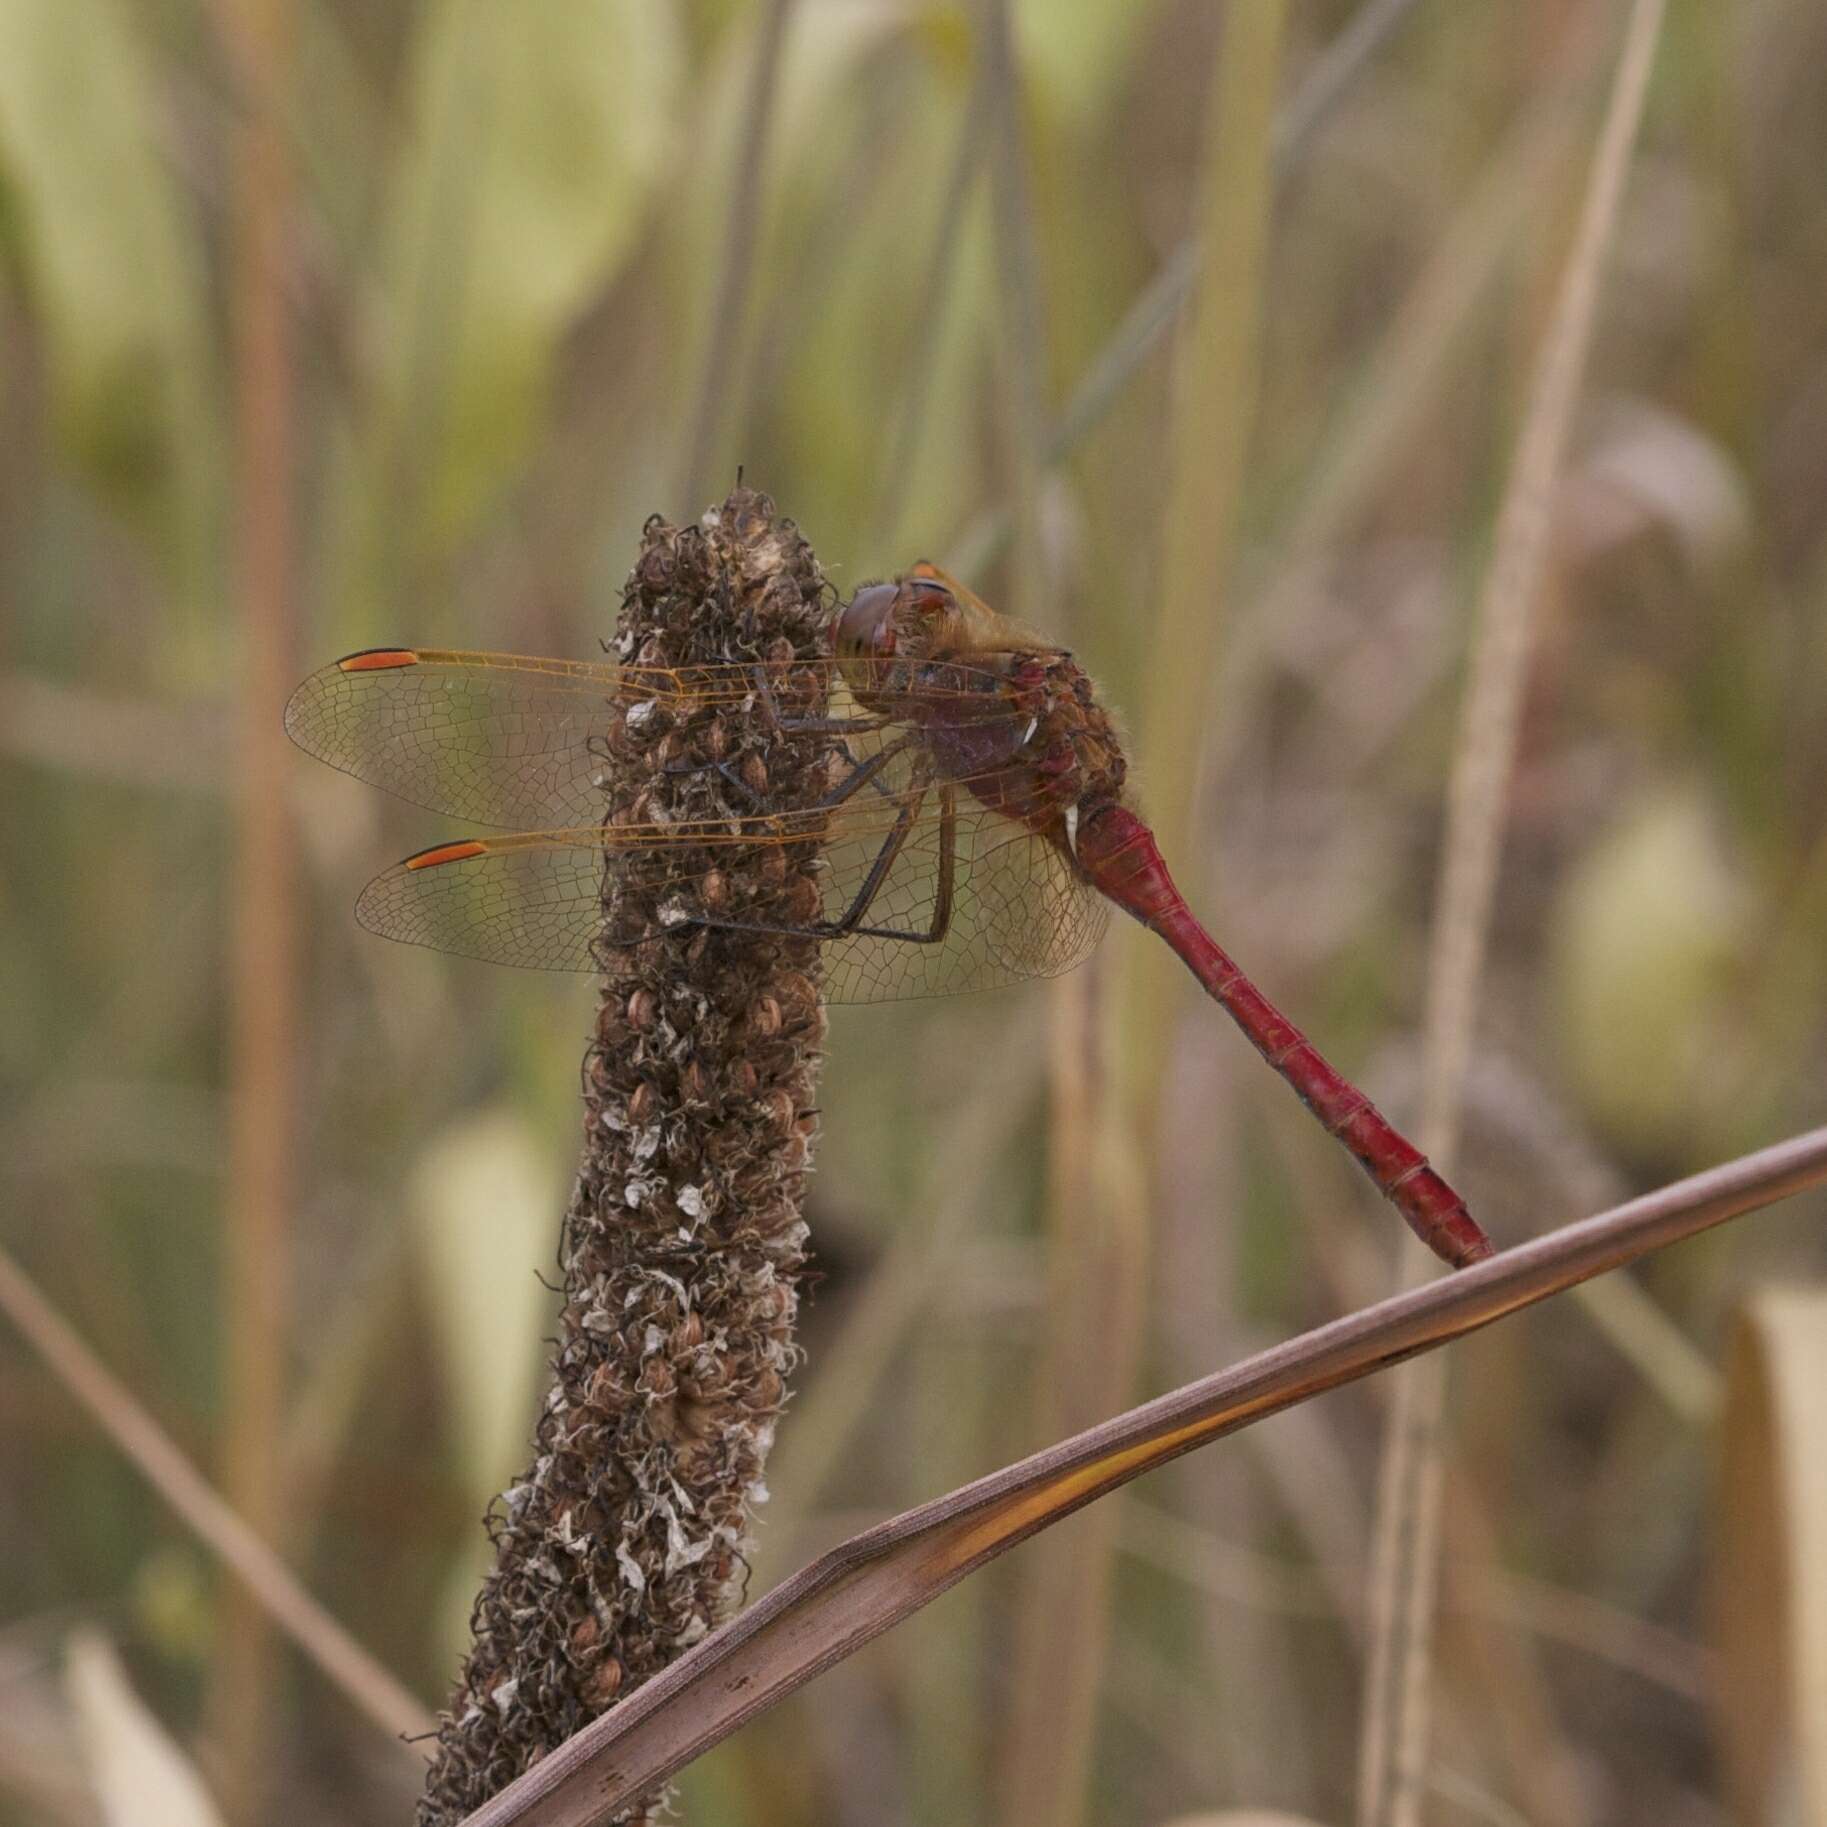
(975, 831)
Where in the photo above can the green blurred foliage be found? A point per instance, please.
(114, 270)
(533, 139)
(509, 230)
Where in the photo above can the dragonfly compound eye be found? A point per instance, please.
(866, 629)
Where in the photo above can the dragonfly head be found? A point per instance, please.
(908, 619)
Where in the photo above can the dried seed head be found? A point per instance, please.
(684, 1238)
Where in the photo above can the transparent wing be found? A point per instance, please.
(512, 741)
(913, 895)
(496, 738)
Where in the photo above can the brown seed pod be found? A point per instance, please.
(602, 1684)
(804, 902)
(798, 996)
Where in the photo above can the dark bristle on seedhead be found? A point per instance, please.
(626, 1538)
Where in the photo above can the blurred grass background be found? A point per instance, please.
(512, 278)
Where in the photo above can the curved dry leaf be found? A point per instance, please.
(482, 1199)
(871, 1582)
(1771, 1587)
(140, 1776)
(1650, 469)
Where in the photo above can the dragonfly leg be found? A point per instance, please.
(948, 872)
(849, 924)
(863, 773)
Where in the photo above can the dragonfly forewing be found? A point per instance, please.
(518, 742)
(495, 738)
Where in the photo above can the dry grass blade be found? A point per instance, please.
(715, 388)
(265, 953)
(911, 412)
(1393, 1747)
(850, 1596)
(1772, 1570)
(1158, 305)
(1102, 1224)
(273, 1585)
(1021, 329)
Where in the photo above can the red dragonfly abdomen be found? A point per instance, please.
(1119, 855)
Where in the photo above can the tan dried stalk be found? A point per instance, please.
(263, 1049)
(627, 1539)
(1394, 1739)
(1102, 1223)
(161, 1462)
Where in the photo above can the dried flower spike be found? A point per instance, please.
(625, 1541)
